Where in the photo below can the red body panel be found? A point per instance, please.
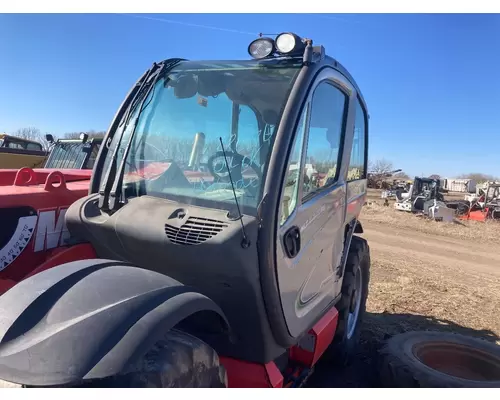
(48, 193)
(54, 258)
(242, 374)
(318, 338)
(478, 215)
(62, 255)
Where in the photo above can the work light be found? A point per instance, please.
(289, 43)
(261, 48)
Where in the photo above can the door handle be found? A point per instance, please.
(291, 242)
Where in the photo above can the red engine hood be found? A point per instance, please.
(33, 204)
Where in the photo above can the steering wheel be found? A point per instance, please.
(218, 169)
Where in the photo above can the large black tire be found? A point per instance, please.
(439, 360)
(180, 360)
(345, 343)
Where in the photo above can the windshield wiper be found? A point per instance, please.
(111, 172)
(116, 193)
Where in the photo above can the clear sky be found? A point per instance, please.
(432, 82)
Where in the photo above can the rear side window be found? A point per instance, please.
(34, 146)
(357, 166)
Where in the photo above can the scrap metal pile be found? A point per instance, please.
(483, 205)
(425, 196)
(379, 180)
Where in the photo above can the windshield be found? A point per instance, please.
(176, 150)
(493, 193)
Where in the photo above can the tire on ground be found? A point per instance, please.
(343, 347)
(399, 366)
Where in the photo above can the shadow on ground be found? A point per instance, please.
(362, 371)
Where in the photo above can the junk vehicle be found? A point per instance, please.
(483, 207)
(17, 152)
(199, 243)
(424, 196)
(459, 185)
(73, 153)
(399, 189)
(480, 191)
(33, 203)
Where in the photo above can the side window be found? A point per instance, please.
(291, 186)
(33, 146)
(357, 164)
(325, 134)
(13, 145)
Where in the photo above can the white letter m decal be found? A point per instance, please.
(50, 233)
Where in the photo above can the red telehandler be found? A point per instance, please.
(201, 255)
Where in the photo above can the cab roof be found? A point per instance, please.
(291, 61)
(7, 136)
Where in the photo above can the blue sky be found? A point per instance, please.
(432, 82)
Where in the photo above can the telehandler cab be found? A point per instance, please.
(78, 153)
(204, 255)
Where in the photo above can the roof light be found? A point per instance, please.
(289, 43)
(84, 137)
(261, 48)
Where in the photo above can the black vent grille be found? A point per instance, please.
(194, 231)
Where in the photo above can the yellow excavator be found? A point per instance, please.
(16, 153)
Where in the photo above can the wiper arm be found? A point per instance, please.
(115, 194)
(111, 172)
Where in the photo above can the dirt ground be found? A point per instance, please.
(425, 275)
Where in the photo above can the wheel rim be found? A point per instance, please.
(354, 304)
(458, 360)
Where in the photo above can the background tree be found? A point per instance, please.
(92, 134)
(380, 167)
(402, 176)
(32, 133)
(479, 177)
(380, 174)
(28, 133)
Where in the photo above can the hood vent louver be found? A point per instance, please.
(194, 231)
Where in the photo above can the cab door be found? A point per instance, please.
(313, 203)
